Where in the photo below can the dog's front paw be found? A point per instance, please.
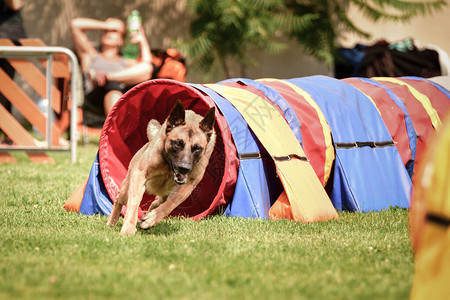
(149, 220)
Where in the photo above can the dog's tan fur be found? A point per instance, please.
(152, 169)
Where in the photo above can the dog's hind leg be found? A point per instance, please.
(156, 215)
(157, 202)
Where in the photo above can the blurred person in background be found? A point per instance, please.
(107, 73)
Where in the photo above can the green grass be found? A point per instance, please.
(47, 253)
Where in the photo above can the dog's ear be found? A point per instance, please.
(176, 117)
(153, 129)
(207, 124)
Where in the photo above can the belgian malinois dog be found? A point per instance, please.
(169, 166)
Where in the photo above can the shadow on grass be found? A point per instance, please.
(162, 229)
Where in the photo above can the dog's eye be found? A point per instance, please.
(196, 148)
(177, 144)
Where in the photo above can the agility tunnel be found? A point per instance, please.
(124, 133)
(299, 148)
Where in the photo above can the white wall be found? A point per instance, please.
(434, 29)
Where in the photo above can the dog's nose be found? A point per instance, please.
(183, 170)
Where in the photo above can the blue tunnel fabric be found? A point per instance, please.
(369, 174)
(412, 134)
(95, 199)
(252, 196)
(274, 96)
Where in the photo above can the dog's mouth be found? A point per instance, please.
(179, 178)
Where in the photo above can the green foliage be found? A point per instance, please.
(48, 253)
(224, 31)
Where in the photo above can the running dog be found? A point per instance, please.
(169, 166)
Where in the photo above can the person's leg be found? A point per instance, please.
(110, 99)
(132, 75)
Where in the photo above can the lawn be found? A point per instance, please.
(48, 253)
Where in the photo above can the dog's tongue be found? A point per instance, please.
(179, 178)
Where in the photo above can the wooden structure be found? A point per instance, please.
(57, 86)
